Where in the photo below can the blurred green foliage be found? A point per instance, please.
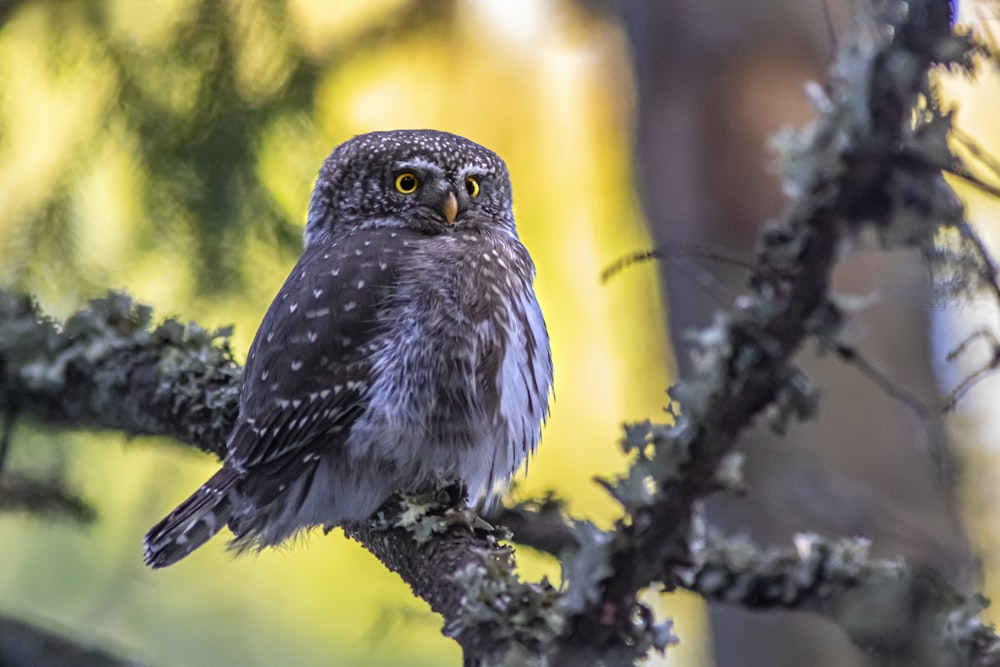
(189, 105)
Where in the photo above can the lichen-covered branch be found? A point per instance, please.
(836, 579)
(853, 170)
(108, 367)
(454, 561)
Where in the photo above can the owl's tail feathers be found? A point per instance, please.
(193, 522)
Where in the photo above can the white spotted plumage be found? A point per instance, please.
(406, 348)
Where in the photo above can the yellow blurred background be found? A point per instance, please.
(975, 427)
(168, 148)
(86, 205)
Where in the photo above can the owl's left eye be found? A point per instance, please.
(472, 186)
(407, 183)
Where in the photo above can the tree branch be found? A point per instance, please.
(835, 579)
(107, 367)
(24, 645)
(847, 175)
(50, 497)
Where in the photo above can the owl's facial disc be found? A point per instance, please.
(431, 187)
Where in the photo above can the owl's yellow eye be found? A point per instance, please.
(472, 186)
(407, 183)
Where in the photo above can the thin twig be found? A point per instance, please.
(989, 269)
(642, 256)
(977, 150)
(891, 389)
(970, 381)
(963, 173)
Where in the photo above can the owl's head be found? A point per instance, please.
(416, 179)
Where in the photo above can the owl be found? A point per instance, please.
(405, 348)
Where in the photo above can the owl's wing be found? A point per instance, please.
(309, 368)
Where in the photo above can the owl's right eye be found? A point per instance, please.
(407, 183)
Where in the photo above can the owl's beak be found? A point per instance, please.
(450, 208)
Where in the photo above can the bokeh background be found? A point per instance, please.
(168, 148)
